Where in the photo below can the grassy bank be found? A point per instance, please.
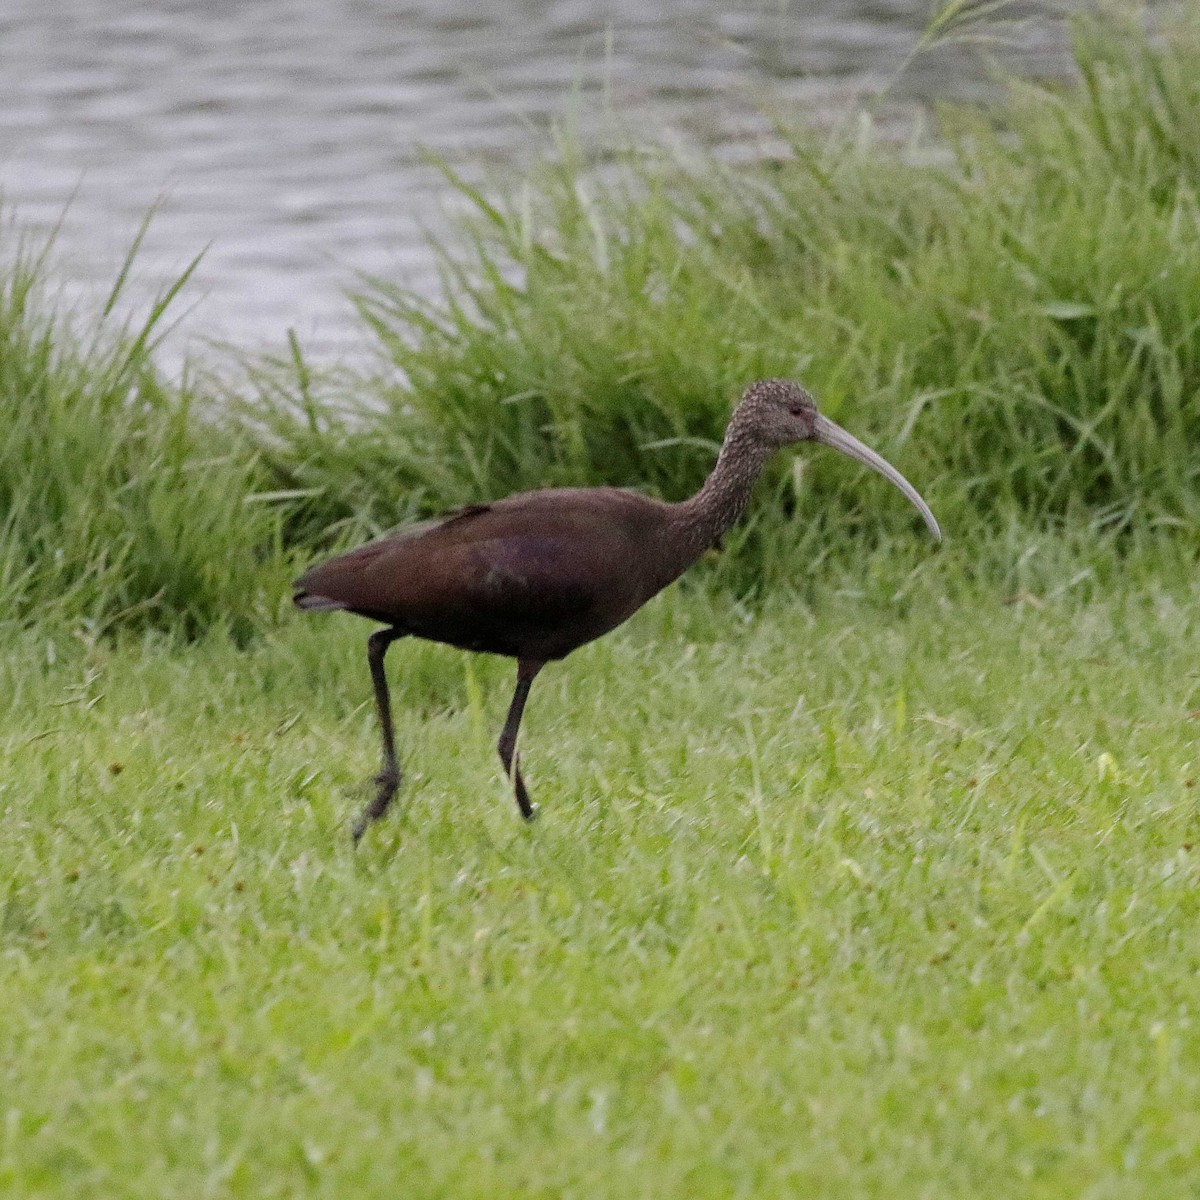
(121, 499)
(1017, 326)
(861, 900)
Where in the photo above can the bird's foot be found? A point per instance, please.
(535, 811)
(388, 782)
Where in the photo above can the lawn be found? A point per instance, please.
(892, 893)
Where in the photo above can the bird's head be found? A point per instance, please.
(777, 412)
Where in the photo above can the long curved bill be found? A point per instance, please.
(830, 434)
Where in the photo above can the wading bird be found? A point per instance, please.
(540, 573)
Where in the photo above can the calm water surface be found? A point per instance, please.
(285, 135)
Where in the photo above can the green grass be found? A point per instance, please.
(124, 499)
(893, 895)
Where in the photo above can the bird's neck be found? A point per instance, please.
(701, 521)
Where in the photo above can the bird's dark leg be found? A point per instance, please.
(527, 669)
(389, 771)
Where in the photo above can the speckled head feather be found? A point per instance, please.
(775, 413)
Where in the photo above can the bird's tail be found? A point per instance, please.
(314, 603)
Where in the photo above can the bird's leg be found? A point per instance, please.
(527, 669)
(389, 771)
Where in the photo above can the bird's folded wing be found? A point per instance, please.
(526, 577)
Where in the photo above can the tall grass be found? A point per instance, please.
(117, 503)
(1017, 326)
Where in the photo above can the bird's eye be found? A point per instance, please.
(797, 410)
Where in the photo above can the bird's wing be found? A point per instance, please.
(353, 562)
(546, 569)
(436, 576)
(521, 595)
(525, 576)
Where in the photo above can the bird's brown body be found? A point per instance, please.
(532, 576)
(541, 573)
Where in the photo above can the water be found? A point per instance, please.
(285, 135)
